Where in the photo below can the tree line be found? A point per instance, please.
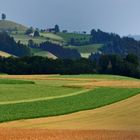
(9, 45)
(106, 64)
(114, 44)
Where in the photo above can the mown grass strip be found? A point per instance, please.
(45, 98)
(93, 99)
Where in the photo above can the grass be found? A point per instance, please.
(86, 48)
(39, 52)
(10, 81)
(52, 36)
(10, 25)
(67, 36)
(24, 39)
(11, 92)
(90, 100)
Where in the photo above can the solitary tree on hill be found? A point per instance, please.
(3, 16)
(57, 30)
(36, 34)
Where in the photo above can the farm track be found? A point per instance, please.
(45, 98)
(35, 134)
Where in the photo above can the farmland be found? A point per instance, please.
(59, 102)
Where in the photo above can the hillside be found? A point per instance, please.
(4, 54)
(8, 45)
(39, 52)
(82, 43)
(6, 25)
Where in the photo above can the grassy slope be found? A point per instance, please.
(4, 54)
(52, 36)
(84, 50)
(60, 38)
(68, 36)
(89, 100)
(55, 38)
(24, 38)
(20, 36)
(6, 25)
(39, 52)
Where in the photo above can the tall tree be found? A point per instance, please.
(3, 16)
(57, 30)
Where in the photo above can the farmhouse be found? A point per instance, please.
(51, 30)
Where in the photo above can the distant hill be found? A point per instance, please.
(136, 37)
(114, 44)
(6, 25)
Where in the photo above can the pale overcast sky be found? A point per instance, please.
(120, 16)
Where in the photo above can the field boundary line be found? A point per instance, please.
(45, 98)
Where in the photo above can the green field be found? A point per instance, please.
(24, 39)
(17, 82)
(90, 100)
(51, 97)
(68, 36)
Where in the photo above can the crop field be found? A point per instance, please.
(72, 104)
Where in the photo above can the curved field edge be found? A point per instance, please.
(93, 99)
(117, 116)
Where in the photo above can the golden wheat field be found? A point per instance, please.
(35, 134)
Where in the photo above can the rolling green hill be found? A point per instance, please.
(6, 25)
(17, 31)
